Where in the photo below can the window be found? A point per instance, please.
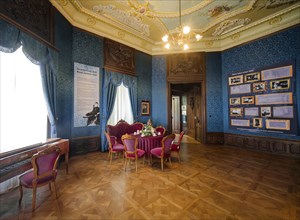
(122, 107)
(23, 113)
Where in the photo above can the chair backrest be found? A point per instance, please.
(44, 162)
(160, 129)
(130, 143)
(180, 138)
(167, 142)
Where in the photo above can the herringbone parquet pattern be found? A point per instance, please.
(211, 182)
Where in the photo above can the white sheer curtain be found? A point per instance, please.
(122, 107)
(23, 113)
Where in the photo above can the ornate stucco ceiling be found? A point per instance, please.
(141, 24)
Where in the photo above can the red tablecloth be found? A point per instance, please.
(149, 142)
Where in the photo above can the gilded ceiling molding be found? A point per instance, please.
(228, 25)
(235, 37)
(63, 2)
(91, 21)
(226, 16)
(121, 34)
(275, 21)
(271, 4)
(123, 17)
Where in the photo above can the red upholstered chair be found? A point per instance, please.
(163, 152)
(160, 129)
(113, 146)
(44, 172)
(131, 151)
(175, 147)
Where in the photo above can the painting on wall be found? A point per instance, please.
(145, 108)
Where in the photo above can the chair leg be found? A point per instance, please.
(178, 157)
(108, 155)
(125, 164)
(33, 197)
(50, 186)
(136, 161)
(21, 194)
(55, 189)
(162, 164)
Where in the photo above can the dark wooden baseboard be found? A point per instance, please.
(266, 144)
(215, 138)
(83, 145)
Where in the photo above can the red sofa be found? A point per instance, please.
(121, 128)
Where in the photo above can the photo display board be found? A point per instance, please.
(263, 100)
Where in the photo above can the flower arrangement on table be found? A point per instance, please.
(148, 131)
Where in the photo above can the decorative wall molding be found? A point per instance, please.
(83, 145)
(34, 16)
(266, 144)
(190, 67)
(118, 57)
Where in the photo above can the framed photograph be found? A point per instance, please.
(236, 112)
(277, 73)
(278, 124)
(259, 87)
(235, 101)
(280, 84)
(234, 80)
(265, 111)
(252, 77)
(257, 122)
(247, 100)
(145, 108)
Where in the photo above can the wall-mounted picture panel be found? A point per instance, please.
(235, 101)
(234, 80)
(274, 98)
(252, 77)
(253, 111)
(283, 112)
(280, 84)
(277, 73)
(262, 100)
(265, 111)
(240, 89)
(278, 124)
(247, 100)
(238, 112)
(259, 87)
(257, 122)
(240, 122)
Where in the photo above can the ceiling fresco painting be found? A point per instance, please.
(142, 24)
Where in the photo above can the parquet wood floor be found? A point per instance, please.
(211, 182)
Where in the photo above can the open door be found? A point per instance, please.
(176, 114)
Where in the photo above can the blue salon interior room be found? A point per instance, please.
(136, 109)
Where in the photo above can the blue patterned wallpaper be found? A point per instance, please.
(214, 107)
(87, 49)
(64, 92)
(143, 68)
(159, 91)
(279, 48)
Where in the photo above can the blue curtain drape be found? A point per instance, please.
(111, 80)
(11, 38)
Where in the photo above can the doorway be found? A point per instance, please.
(188, 109)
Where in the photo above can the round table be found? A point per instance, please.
(147, 143)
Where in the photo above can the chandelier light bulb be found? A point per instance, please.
(198, 37)
(165, 38)
(185, 47)
(167, 46)
(186, 29)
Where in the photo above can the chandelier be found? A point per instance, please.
(181, 36)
